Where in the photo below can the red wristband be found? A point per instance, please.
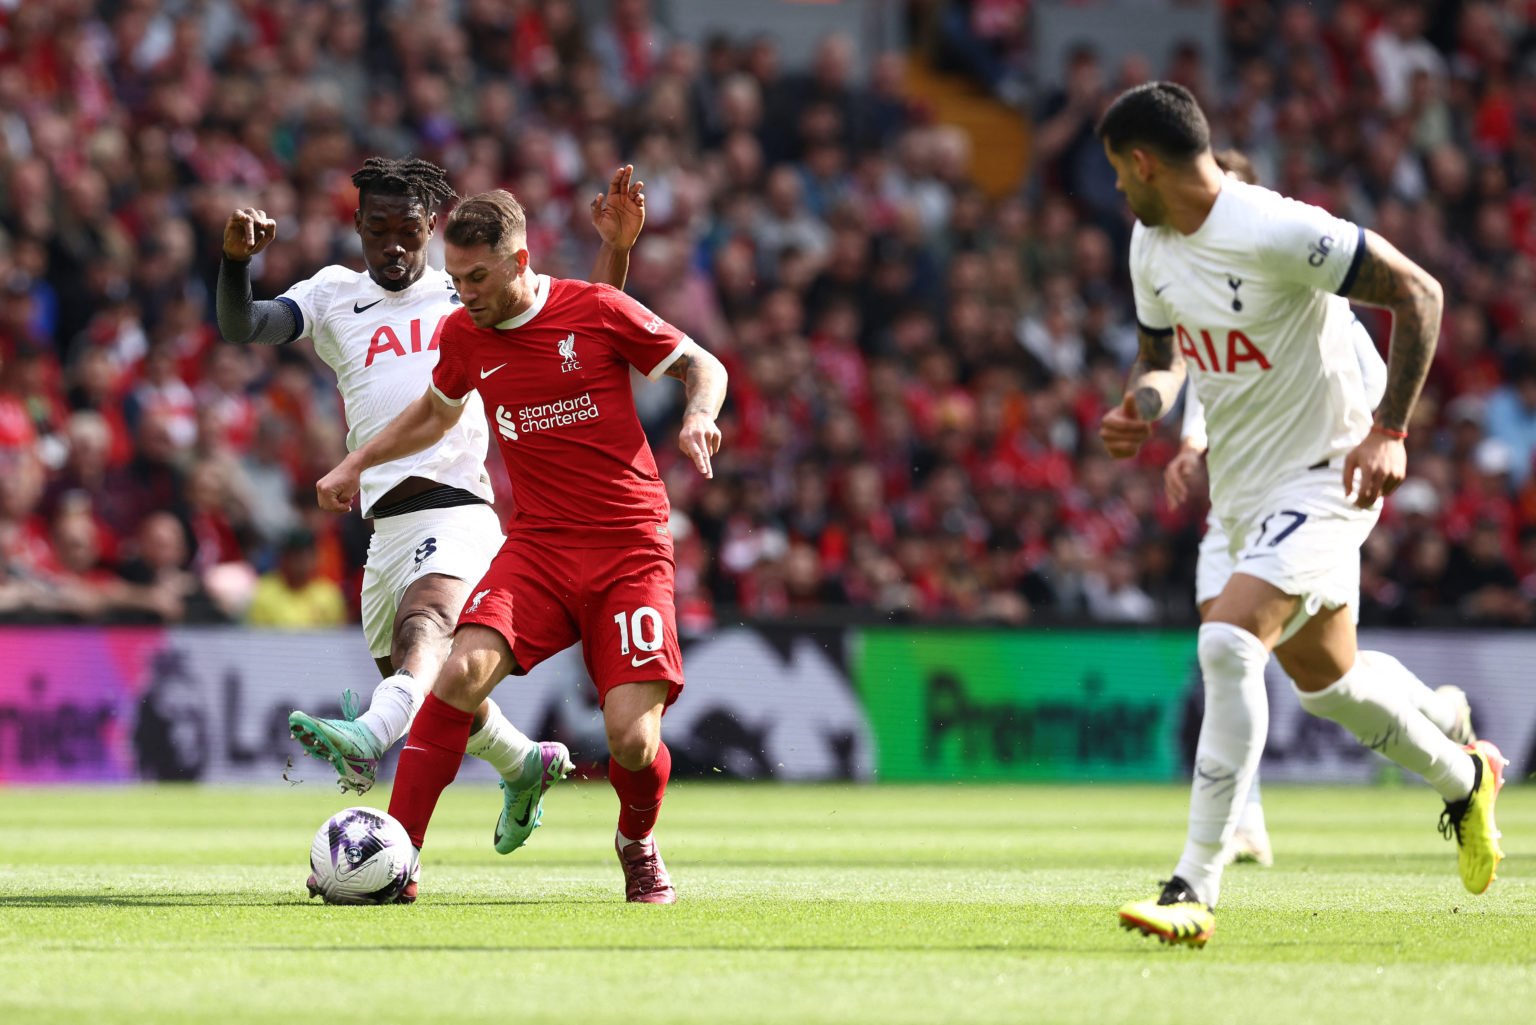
(1389, 432)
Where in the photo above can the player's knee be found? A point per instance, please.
(1308, 671)
(1228, 653)
(464, 680)
(633, 745)
(421, 625)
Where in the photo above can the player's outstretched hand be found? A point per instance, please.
(247, 233)
(619, 216)
(1179, 475)
(1381, 464)
(336, 490)
(1123, 430)
(699, 440)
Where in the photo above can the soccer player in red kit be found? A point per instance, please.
(588, 556)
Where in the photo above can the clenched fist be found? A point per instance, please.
(1123, 430)
(247, 233)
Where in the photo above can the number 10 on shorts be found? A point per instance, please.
(643, 627)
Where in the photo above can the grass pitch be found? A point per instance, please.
(799, 904)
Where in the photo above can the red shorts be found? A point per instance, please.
(618, 602)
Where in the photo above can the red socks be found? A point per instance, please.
(428, 763)
(640, 793)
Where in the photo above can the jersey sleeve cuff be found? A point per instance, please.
(1155, 332)
(668, 360)
(298, 318)
(452, 402)
(1354, 263)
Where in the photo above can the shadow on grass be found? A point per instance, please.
(226, 900)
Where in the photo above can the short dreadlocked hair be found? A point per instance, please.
(422, 180)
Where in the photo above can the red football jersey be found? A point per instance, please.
(555, 382)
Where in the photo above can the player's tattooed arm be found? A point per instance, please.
(1157, 374)
(1389, 279)
(704, 380)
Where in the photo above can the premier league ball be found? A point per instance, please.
(360, 856)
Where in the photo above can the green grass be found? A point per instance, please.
(808, 905)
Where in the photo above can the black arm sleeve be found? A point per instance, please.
(267, 322)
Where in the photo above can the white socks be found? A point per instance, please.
(1435, 709)
(398, 698)
(1232, 738)
(1375, 703)
(504, 746)
(393, 707)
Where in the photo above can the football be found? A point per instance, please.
(360, 856)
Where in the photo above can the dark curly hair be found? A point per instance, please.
(422, 180)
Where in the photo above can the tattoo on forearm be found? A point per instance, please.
(679, 368)
(1156, 375)
(1388, 278)
(703, 384)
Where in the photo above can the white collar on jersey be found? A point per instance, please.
(540, 296)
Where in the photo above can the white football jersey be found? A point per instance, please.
(383, 346)
(1251, 300)
(1373, 373)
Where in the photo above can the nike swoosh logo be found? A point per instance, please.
(637, 661)
(487, 373)
(359, 308)
(522, 823)
(412, 747)
(1164, 288)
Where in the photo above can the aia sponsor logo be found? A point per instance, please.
(386, 341)
(1208, 353)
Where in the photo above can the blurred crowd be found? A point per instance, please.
(918, 368)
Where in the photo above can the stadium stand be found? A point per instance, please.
(918, 363)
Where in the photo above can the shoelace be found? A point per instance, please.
(1181, 895)
(647, 862)
(1450, 819)
(349, 707)
(1455, 811)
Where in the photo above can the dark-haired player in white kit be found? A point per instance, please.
(1446, 706)
(1233, 285)
(434, 529)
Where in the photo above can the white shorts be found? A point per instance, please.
(457, 542)
(1306, 542)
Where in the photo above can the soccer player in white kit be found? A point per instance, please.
(1446, 706)
(1232, 285)
(434, 529)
